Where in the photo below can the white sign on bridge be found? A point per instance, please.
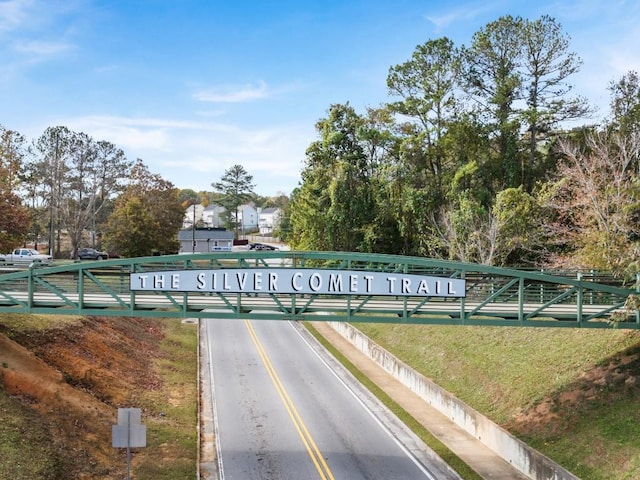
(297, 281)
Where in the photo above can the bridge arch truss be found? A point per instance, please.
(493, 296)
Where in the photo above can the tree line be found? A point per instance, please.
(65, 190)
(473, 160)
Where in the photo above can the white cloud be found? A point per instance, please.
(32, 31)
(14, 13)
(466, 13)
(131, 133)
(194, 154)
(40, 48)
(440, 22)
(38, 16)
(233, 94)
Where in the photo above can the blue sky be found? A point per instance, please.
(193, 87)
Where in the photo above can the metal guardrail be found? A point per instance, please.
(494, 296)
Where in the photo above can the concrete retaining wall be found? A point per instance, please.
(526, 459)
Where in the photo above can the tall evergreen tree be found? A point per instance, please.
(491, 74)
(236, 187)
(50, 169)
(547, 65)
(426, 86)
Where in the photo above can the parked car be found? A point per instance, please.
(91, 254)
(261, 246)
(25, 256)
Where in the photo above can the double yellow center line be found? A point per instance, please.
(312, 449)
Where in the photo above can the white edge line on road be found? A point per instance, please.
(214, 408)
(409, 454)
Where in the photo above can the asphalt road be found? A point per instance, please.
(284, 409)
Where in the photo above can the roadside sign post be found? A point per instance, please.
(129, 433)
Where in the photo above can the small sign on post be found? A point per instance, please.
(129, 432)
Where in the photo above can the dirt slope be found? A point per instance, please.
(75, 378)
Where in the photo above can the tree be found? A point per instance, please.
(129, 229)
(349, 192)
(14, 221)
(283, 228)
(625, 103)
(111, 176)
(492, 76)
(420, 163)
(95, 171)
(236, 187)
(426, 85)
(189, 196)
(81, 176)
(335, 201)
(469, 231)
(547, 64)
(50, 170)
(310, 226)
(12, 153)
(147, 217)
(596, 202)
(520, 236)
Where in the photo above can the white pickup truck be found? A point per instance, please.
(25, 256)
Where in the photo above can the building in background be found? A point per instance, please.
(193, 215)
(213, 216)
(205, 240)
(269, 219)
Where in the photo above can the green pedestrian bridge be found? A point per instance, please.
(328, 286)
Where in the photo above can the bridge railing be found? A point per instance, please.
(495, 296)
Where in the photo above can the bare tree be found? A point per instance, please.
(97, 171)
(596, 200)
(79, 174)
(469, 232)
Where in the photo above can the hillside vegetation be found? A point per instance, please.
(62, 380)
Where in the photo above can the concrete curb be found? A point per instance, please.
(525, 459)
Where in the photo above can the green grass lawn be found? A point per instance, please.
(591, 423)
(172, 444)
